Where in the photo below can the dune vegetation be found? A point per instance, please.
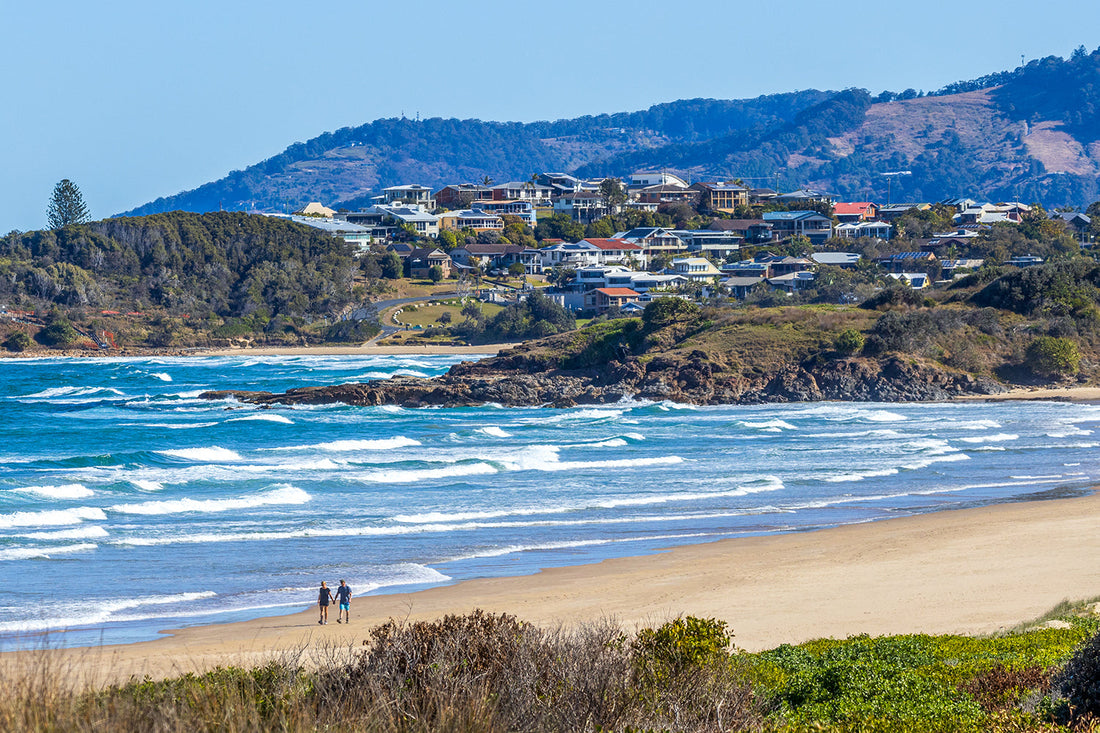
(481, 672)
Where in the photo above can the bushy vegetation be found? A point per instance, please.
(535, 316)
(1052, 356)
(483, 672)
(222, 264)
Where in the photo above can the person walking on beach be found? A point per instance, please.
(343, 595)
(324, 597)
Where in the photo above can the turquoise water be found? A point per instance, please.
(128, 505)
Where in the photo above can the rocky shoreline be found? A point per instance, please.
(520, 377)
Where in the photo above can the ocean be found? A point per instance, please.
(128, 505)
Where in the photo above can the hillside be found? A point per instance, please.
(1032, 133)
(344, 167)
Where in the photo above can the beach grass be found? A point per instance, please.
(484, 672)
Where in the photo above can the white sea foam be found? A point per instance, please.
(69, 391)
(27, 553)
(341, 446)
(634, 436)
(859, 475)
(162, 376)
(93, 532)
(210, 455)
(769, 425)
(495, 432)
(263, 417)
(657, 499)
(65, 491)
(400, 476)
(51, 517)
(846, 413)
(997, 438)
(947, 458)
(571, 544)
(189, 395)
(146, 485)
(93, 612)
(285, 494)
(587, 413)
(174, 425)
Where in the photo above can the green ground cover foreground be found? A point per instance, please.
(496, 673)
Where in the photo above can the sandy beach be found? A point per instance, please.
(972, 571)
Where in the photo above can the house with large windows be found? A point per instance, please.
(810, 224)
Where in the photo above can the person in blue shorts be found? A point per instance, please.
(343, 595)
(324, 598)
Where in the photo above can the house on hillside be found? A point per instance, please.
(582, 206)
(739, 286)
(754, 231)
(890, 212)
(803, 196)
(498, 256)
(906, 261)
(667, 194)
(524, 210)
(716, 243)
(874, 229)
(793, 282)
(421, 261)
(412, 195)
(462, 195)
(315, 208)
(854, 213)
(654, 241)
(696, 269)
(472, 219)
(810, 224)
(725, 197)
(536, 193)
(1077, 224)
(643, 179)
(356, 234)
(847, 260)
(604, 299)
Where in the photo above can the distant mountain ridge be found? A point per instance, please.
(1030, 134)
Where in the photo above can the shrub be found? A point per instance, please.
(665, 311)
(1053, 357)
(435, 273)
(1078, 684)
(18, 341)
(352, 331)
(445, 317)
(850, 341)
(894, 295)
(58, 333)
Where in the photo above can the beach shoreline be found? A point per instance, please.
(969, 571)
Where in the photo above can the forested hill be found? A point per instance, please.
(346, 166)
(1032, 133)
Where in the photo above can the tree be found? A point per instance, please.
(611, 189)
(1050, 356)
(66, 205)
(435, 273)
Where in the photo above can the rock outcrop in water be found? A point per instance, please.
(528, 376)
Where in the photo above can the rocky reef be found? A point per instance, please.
(528, 377)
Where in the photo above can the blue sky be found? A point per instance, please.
(134, 101)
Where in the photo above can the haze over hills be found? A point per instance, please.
(1031, 134)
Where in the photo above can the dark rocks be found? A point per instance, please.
(517, 378)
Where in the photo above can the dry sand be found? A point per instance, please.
(972, 571)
